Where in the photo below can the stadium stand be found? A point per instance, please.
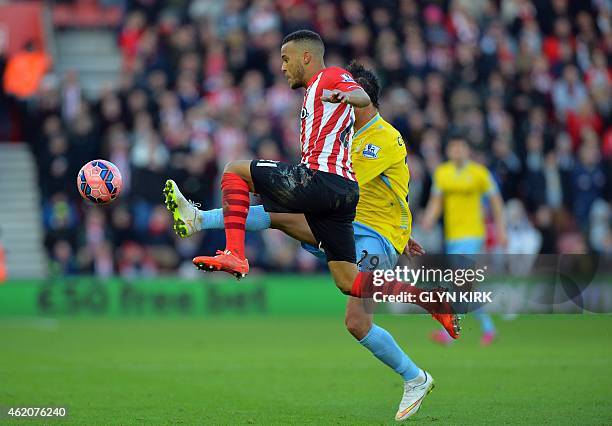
(177, 89)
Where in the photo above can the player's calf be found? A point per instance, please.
(357, 320)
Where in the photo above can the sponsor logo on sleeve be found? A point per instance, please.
(346, 77)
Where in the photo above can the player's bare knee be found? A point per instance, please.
(357, 325)
(231, 167)
(241, 168)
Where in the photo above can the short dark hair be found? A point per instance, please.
(304, 35)
(458, 133)
(366, 79)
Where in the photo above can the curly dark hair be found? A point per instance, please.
(366, 79)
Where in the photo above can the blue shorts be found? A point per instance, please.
(373, 251)
(464, 246)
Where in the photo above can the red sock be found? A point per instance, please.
(360, 284)
(235, 210)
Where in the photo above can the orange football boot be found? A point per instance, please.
(225, 261)
(450, 322)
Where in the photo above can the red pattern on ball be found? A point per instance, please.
(99, 181)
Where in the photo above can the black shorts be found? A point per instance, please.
(328, 202)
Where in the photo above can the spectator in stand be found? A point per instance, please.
(506, 168)
(25, 70)
(586, 117)
(523, 239)
(63, 259)
(535, 182)
(529, 81)
(589, 181)
(130, 36)
(600, 232)
(568, 92)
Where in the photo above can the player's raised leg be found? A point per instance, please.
(186, 217)
(235, 186)
(296, 226)
(258, 219)
(360, 284)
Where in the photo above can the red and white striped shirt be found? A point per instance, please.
(326, 131)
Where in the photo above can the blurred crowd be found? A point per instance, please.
(529, 80)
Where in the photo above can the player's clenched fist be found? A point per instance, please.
(413, 249)
(335, 96)
(358, 98)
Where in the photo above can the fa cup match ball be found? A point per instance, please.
(99, 181)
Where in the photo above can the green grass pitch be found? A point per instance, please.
(303, 370)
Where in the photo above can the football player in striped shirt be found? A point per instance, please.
(382, 231)
(322, 187)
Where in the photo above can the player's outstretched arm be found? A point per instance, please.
(357, 98)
